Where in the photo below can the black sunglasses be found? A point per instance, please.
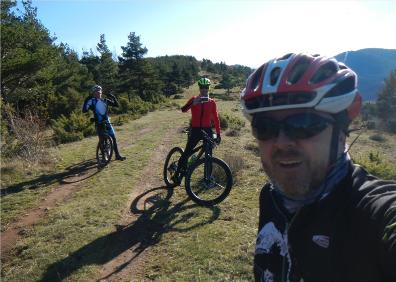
(298, 126)
(204, 87)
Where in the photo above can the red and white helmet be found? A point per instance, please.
(302, 81)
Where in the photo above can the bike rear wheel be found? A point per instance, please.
(104, 151)
(212, 190)
(170, 166)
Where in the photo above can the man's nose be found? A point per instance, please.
(283, 139)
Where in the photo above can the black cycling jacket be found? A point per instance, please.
(348, 236)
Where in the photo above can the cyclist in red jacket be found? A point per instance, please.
(203, 112)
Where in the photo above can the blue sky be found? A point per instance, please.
(234, 31)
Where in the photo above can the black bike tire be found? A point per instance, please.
(98, 158)
(169, 182)
(222, 196)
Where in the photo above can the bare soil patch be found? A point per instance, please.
(136, 234)
(71, 182)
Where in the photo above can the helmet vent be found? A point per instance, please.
(280, 99)
(285, 57)
(256, 78)
(298, 70)
(274, 75)
(324, 72)
(343, 87)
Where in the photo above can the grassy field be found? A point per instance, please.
(181, 241)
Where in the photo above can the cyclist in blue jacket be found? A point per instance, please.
(99, 106)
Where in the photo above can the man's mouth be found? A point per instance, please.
(289, 163)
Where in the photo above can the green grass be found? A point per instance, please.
(216, 244)
(84, 223)
(182, 241)
(377, 155)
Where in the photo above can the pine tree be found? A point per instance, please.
(136, 73)
(26, 50)
(386, 102)
(107, 68)
(92, 62)
(227, 82)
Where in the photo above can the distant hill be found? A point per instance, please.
(372, 65)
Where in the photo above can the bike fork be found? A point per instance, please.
(208, 167)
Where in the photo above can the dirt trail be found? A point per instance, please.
(70, 184)
(124, 266)
(59, 195)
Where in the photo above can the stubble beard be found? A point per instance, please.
(299, 183)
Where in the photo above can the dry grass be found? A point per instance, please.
(236, 163)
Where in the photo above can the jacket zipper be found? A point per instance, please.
(202, 111)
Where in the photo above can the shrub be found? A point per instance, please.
(23, 137)
(178, 96)
(253, 147)
(370, 124)
(120, 120)
(231, 121)
(73, 128)
(391, 125)
(236, 164)
(124, 106)
(377, 137)
(233, 133)
(138, 106)
(170, 89)
(223, 121)
(378, 165)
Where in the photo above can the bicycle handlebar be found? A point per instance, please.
(208, 138)
(205, 135)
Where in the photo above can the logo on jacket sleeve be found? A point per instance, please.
(321, 240)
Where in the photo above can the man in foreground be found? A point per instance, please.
(322, 218)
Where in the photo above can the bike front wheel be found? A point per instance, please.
(208, 182)
(104, 151)
(170, 166)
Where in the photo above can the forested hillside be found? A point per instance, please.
(48, 82)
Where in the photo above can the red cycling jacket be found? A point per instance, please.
(203, 113)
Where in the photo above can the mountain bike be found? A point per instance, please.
(104, 149)
(208, 180)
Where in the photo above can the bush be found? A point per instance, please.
(170, 89)
(391, 125)
(236, 164)
(73, 128)
(120, 120)
(138, 106)
(370, 124)
(124, 106)
(253, 147)
(233, 133)
(378, 165)
(230, 121)
(377, 137)
(23, 137)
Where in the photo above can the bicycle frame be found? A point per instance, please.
(204, 149)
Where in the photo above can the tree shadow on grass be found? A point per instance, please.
(71, 174)
(156, 218)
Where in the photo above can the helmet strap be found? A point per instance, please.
(335, 139)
